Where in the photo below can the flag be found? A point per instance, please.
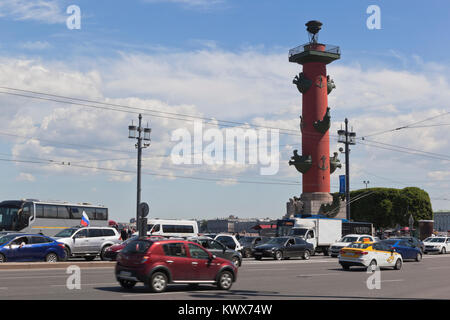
(342, 184)
(85, 220)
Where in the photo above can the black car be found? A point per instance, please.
(219, 250)
(413, 241)
(249, 244)
(284, 248)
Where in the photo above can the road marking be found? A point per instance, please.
(43, 277)
(86, 284)
(398, 280)
(158, 294)
(317, 274)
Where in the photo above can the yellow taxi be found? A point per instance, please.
(370, 255)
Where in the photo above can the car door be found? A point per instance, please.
(177, 260)
(95, 240)
(217, 249)
(23, 250)
(290, 250)
(40, 246)
(404, 248)
(382, 255)
(80, 242)
(300, 245)
(201, 265)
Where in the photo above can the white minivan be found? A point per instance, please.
(172, 228)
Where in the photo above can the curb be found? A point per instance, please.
(55, 265)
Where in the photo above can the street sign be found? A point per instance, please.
(144, 209)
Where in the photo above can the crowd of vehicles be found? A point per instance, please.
(321, 232)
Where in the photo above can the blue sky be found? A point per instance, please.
(224, 59)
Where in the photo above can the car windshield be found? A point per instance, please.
(66, 232)
(7, 238)
(298, 232)
(359, 245)
(8, 215)
(437, 240)
(348, 239)
(137, 246)
(246, 240)
(277, 241)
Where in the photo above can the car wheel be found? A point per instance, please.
(66, 253)
(89, 258)
(278, 255)
(372, 266)
(225, 280)
(418, 257)
(235, 261)
(2, 258)
(398, 264)
(158, 282)
(258, 258)
(127, 284)
(443, 251)
(325, 252)
(306, 255)
(51, 257)
(102, 254)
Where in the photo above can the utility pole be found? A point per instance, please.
(347, 138)
(139, 146)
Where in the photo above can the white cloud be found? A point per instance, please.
(35, 45)
(26, 177)
(243, 86)
(190, 3)
(46, 11)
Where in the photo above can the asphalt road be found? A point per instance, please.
(318, 278)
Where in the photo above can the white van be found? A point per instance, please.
(172, 228)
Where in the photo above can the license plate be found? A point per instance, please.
(349, 255)
(125, 274)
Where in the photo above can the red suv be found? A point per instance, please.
(160, 262)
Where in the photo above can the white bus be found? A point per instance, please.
(48, 217)
(172, 228)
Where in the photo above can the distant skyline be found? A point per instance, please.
(222, 59)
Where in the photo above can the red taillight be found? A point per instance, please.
(364, 252)
(341, 251)
(61, 245)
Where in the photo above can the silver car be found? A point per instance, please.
(88, 242)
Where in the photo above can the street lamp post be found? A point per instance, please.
(347, 138)
(139, 146)
(366, 182)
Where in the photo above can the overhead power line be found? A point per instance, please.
(411, 125)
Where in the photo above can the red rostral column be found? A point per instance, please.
(314, 163)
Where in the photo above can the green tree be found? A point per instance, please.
(387, 207)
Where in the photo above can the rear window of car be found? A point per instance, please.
(137, 246)
(359, 245)
(108, 233)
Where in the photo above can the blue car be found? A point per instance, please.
(30, 247)
(405, 248)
